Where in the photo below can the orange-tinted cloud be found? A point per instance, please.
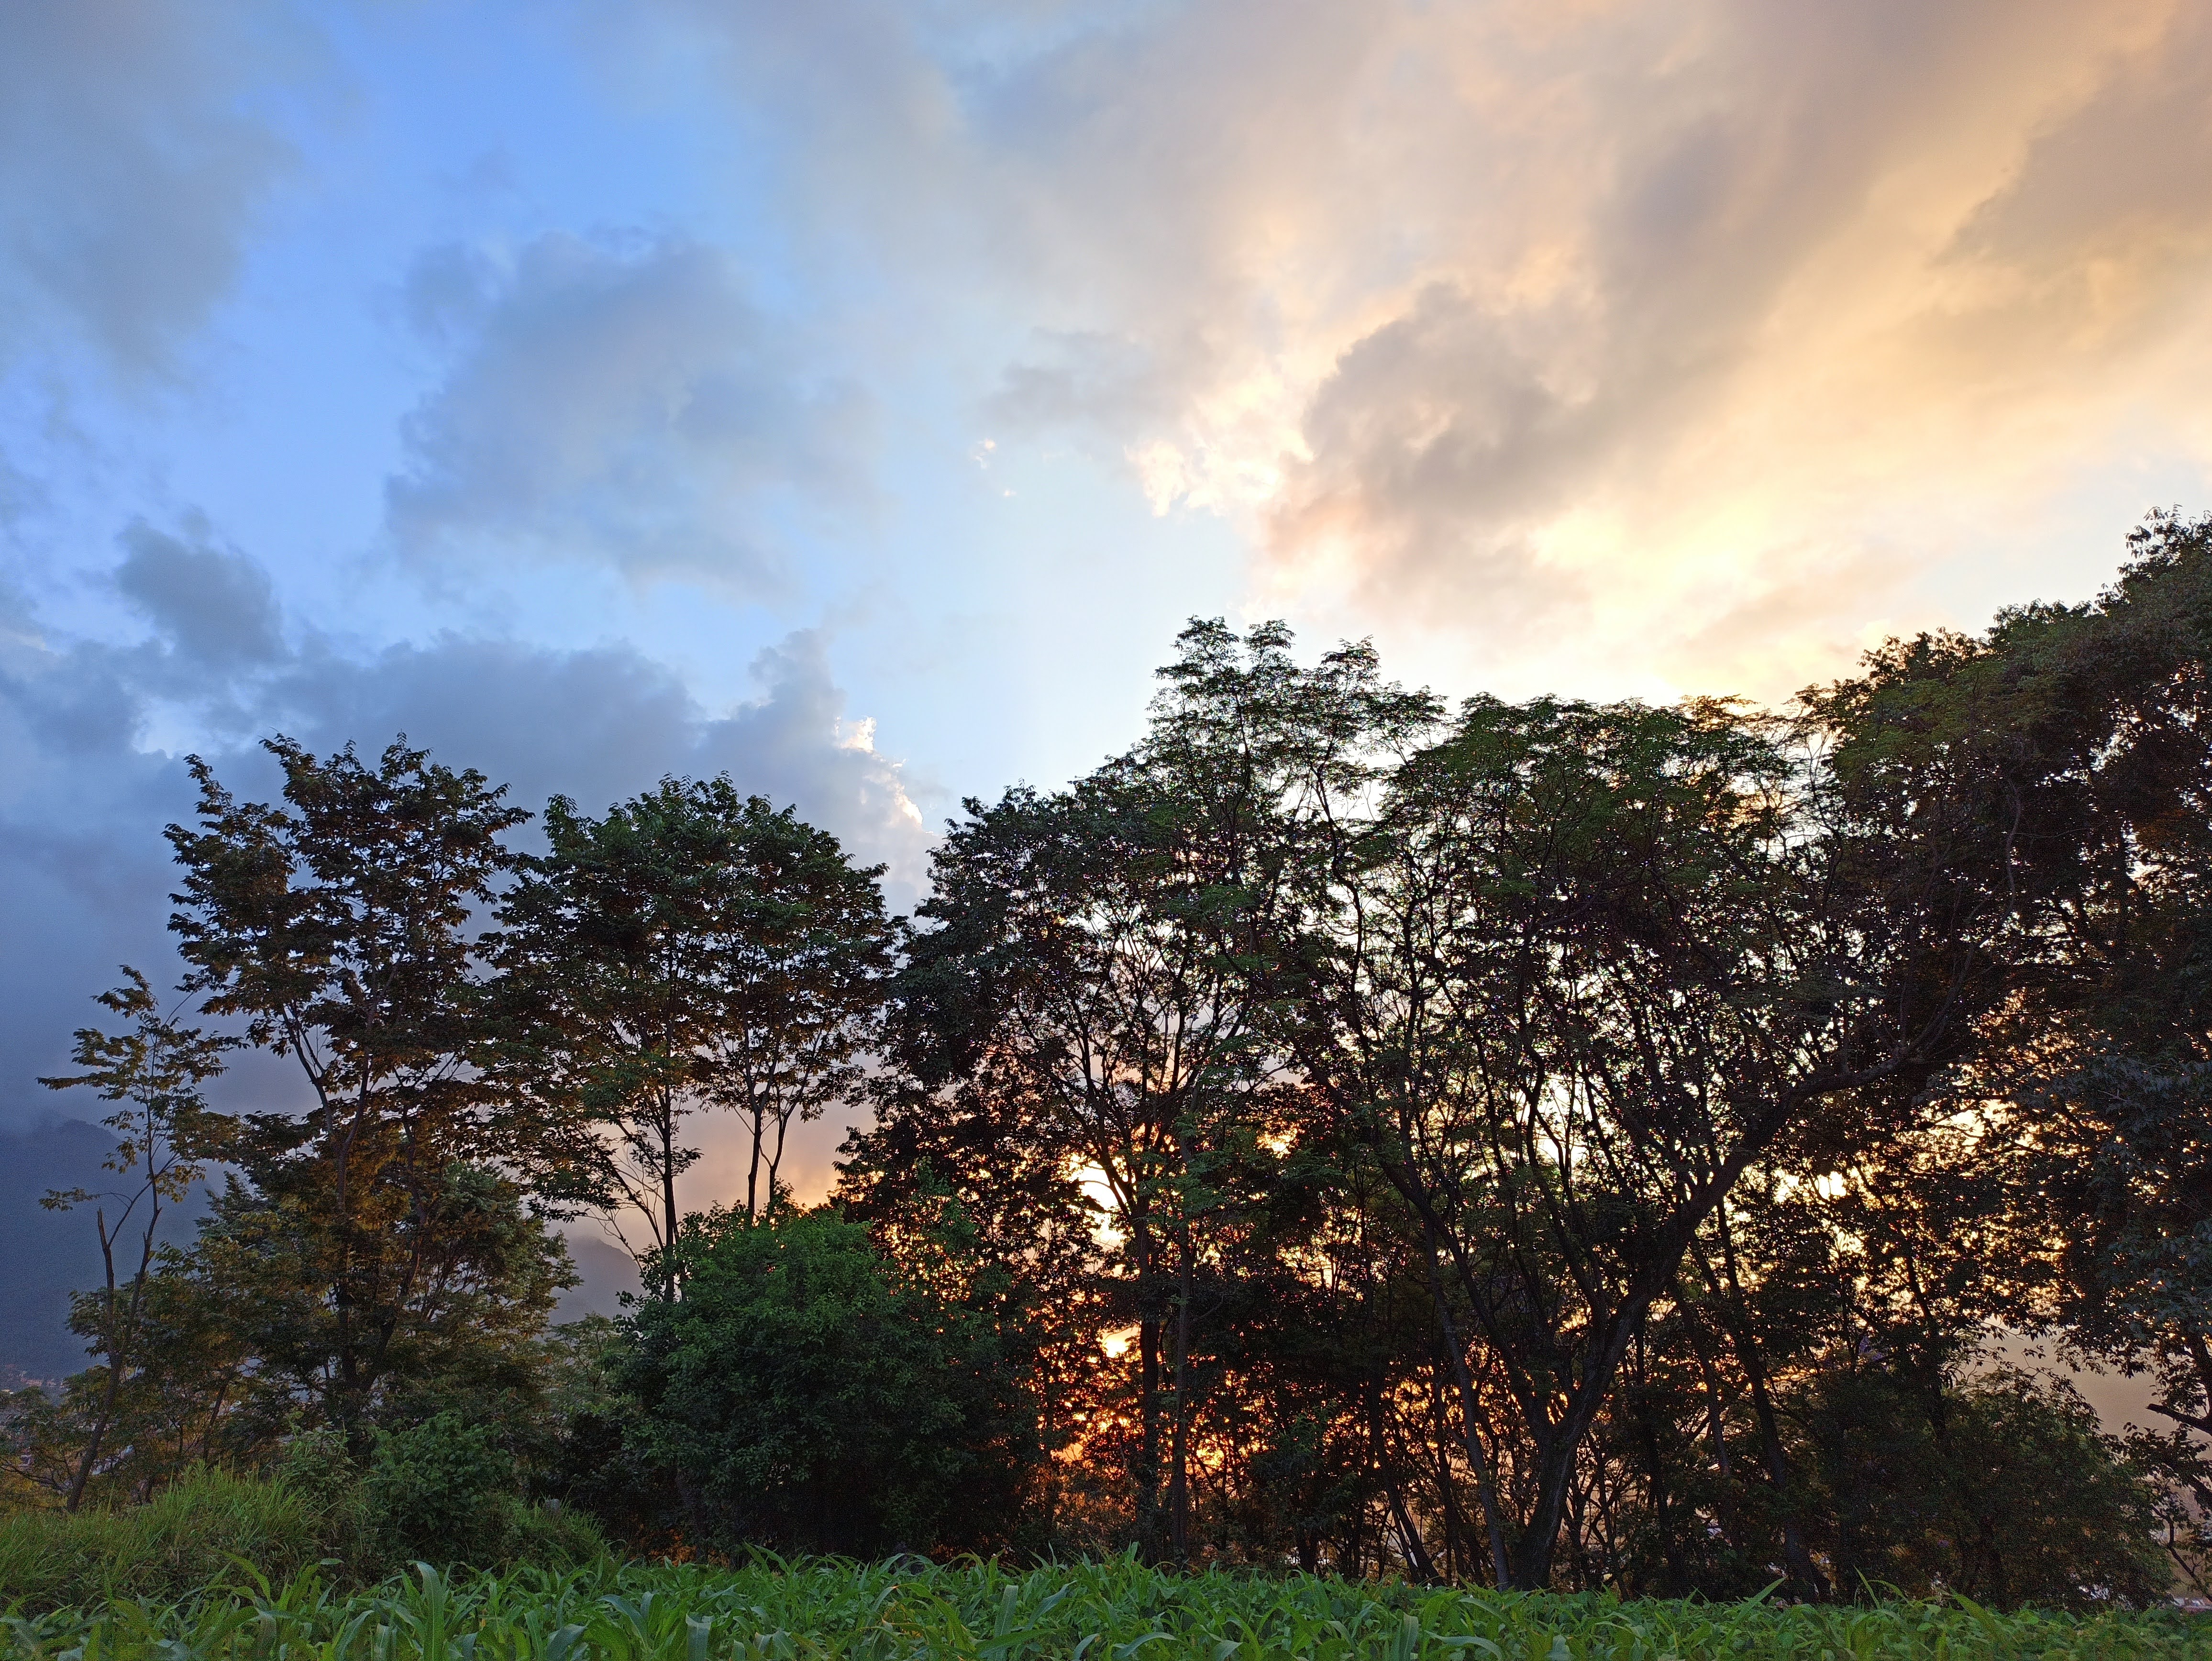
(1631, 343)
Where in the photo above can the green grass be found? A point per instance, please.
(190, 1535)
(1114, 1611)
(199, 1532)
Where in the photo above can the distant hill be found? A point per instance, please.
(606, 1273)
(48, 1254)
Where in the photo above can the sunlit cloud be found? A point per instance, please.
(1664, 341)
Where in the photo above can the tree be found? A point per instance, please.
(2002, 1486)
(1585, 967)
(808, 1397)
(2075, 742)
(155, 1071)
(1092, 986)
(1037, 1230)
(386, 1230)
(1097, 1027)
(694, 949)
(188, 1398)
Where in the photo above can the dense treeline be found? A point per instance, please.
(1549, 1144)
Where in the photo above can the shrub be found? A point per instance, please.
(446, 1492)
(434, 1492)
(183, 1539)
(551, 1536)
(806, 1398)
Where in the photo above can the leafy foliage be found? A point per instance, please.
(816, 1608)
(375, 1239)
(693, 950)
(805, 1398)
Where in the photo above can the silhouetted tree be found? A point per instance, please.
(693, 950)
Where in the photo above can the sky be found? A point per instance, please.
(857, 397)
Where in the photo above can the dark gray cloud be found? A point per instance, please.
(216, 604)
(626, 404)
(599, 724)
(87, 783)
(131, 164)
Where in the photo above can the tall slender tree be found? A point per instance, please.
(1094, 980)
(695, 949)
(154, 1074)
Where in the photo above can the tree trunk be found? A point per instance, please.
(1557, 1446)
(1655, 1470)
(114, 1371)
(1179, 1427)
(118, 1336)
(1419, 1563)
(1148, 1394)
(667, 1127)
(1795, 1559)
(1485, 1490)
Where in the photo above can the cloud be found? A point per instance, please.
(1448, 414)
(600, 724)
(621, 403)
(132, 165)
(1559, 329)
(216, 604)
(1807, 260)
(91, 736)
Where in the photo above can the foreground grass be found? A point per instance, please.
(1114, 1611)
(191, 1535)
(197, 1532)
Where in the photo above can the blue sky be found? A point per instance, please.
(858, 396)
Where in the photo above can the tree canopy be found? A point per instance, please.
(1548, 1144)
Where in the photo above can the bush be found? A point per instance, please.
(806, 1398)
(446, 1492)
(434, 1492)
(551, 1536)
(2002, 1487)
(181, 1541)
